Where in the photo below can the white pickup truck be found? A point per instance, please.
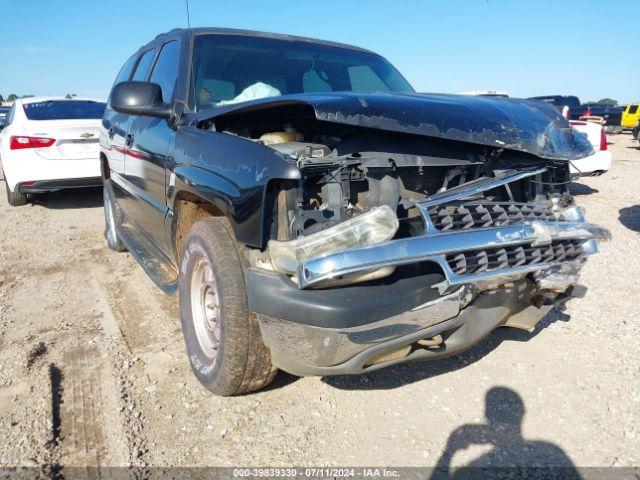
(600, 161)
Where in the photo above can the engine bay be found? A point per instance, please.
(347, 171)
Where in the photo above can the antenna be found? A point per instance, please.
(192, 86)
(188, 16)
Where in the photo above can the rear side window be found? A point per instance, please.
(633, 109)
(125, 71)
(143, 66)
(64, 110)
(165, 72)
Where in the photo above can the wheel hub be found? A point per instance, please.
(205, 308)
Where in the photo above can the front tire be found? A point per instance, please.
(222, 336)
(15, 199)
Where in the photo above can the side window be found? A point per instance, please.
(125, 71)
(142, 69)
(165, 72)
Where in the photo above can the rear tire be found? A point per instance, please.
(222, 336)
(15, 199)
(112, 219)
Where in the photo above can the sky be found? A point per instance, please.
(588, 48)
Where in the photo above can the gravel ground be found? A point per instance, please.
(93, 370)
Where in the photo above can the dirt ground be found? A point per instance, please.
(93, 369)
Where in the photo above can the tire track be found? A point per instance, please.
(126, 368)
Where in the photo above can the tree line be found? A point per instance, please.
(13, 97)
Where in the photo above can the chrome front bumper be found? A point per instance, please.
(435, 245)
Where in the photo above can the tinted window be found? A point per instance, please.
(165, 71)
(125, 71)
(64, 110)
(143, 66)
(234, 68)
(633, 109)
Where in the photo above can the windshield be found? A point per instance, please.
(234, 68)
(64, 110)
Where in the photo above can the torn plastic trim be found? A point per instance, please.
(558, 278)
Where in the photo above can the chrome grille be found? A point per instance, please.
(488, 214)
(478, 261)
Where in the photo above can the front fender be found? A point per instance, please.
(231, 173)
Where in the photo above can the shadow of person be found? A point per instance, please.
(577, 189)
(510, 453)
(630, 217)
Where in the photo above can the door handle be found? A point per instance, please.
(128, 140)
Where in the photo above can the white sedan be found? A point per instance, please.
(49, 144)
(600, 161)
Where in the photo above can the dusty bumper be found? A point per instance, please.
(491, 264)
(310, 350)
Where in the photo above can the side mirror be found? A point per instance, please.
(139, 98)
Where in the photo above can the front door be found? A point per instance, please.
(147, 145)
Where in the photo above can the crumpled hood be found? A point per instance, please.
(525, 125)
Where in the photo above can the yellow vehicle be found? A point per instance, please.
(631, 115)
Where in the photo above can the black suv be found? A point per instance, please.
(315, 214)
(572, 103)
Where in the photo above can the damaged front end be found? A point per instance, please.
(471, 239)
(401, 244)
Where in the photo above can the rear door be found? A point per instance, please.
(116, 125)
(147, 146)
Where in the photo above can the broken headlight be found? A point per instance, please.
(376, 226)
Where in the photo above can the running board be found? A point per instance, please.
(152, 260)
